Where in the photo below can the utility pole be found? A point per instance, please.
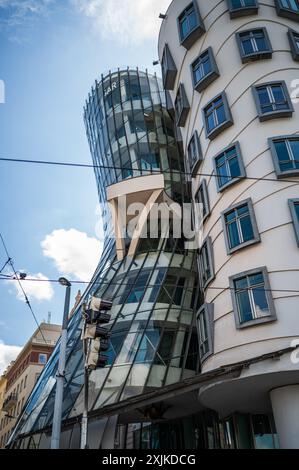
(84, 423)
(56, 427)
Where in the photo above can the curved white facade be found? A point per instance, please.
(277, 249)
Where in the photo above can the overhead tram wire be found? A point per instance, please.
(5, 264)
(21, 287)
(143, 172)
(106, 283)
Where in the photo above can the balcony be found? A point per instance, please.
(10, 402)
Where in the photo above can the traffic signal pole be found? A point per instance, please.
(95, 340)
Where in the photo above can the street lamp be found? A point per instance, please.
(56, 426)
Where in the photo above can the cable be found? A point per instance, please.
(2, 269)
(21, 287)
(87, 165)
(148, 285)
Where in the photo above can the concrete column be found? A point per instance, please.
(285, 404)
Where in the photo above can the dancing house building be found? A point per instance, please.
(152, 282)
(203, 346)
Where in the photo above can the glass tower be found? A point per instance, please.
(152, 282)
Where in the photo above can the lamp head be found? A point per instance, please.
(64, 282)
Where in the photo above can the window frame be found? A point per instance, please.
(211, 135)
(182, 117)
(280, 113)
(256, 235)
(279, 173)
(188, 41)
(207, 309)
(208, 242)
(242, 11)
(169, 73)
(204, 186)
(293, 45)
(258, 55)
(241, 166)
(286, 12)
(295, 220)
(256, 321)
(199, 159)
(204, 82)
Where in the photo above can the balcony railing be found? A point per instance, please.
(10, 402)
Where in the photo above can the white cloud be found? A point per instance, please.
(73, 252)
(39, 288)
(18, 16)
(23, 7)
(125, 20)
(7, 354)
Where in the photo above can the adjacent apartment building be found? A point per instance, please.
(203, 341)
(22, 374)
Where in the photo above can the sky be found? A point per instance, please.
(51, 51)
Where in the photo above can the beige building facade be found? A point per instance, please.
(22, 375)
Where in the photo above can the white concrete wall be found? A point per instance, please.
(278, 249)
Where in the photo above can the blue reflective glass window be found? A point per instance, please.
(147, 347)
(239, 226)
(243, 3)
(272, 98)
(202, 67)
(254, 41)
(227, 166)
(251, 297)
(187, 21)
(287, 152)
(290, 5)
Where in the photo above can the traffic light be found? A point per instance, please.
(98, 336)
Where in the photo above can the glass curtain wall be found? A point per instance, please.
(154, 294)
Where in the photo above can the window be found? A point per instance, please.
(294, 208)
(239, 226)
(206, 262)
(242, 7)
(172, 290)
(190, 25)
(272, 101)
(42, 358)
(202, 197)
(194, 152)
(254, 44)
(288, 8)
(169, 104)
(217, 116)
(181, 107)
(252, 299)
(285, 154)
(229, 167)
(205, 322)
(204, 70)
(294, 44)
(169, 70)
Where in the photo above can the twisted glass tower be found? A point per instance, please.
(151, 281)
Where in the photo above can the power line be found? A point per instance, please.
(21, 287)
(148, 285)
(6, 263)
(145, 172)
